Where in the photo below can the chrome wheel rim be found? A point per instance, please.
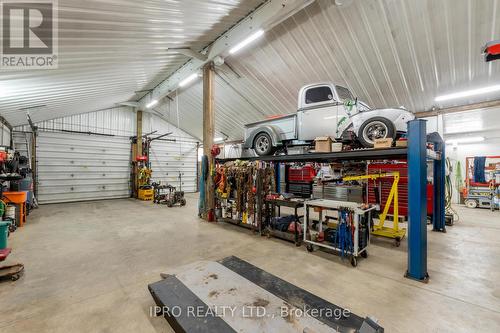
(262, 144)
(375, 130)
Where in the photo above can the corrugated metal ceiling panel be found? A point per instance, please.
(389, 53)
(109, 49)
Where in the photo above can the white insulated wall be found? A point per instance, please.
(4, 135)
(79, 167)
(173, 162)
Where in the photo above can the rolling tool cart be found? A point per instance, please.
(350, 236)
(287, 227)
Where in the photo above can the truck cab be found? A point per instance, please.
(324, 110)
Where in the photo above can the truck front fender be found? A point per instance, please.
(272, 131)
(399, 118)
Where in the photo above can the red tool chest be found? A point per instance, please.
(303, 174)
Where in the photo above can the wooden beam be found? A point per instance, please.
(208, 133)
(137, 151)
(139, 133)
(461, 108)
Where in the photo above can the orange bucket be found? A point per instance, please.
(15, 197)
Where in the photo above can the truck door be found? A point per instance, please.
(319, 112)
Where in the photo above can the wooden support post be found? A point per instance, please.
(139, 133)
(208, 133)
(137, 151)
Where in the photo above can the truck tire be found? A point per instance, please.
(263, 145)
(375, 128)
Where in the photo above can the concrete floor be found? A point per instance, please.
(88, 266)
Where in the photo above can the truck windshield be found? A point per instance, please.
(344, 93)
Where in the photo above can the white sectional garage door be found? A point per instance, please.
(169, 159)
(76, 167)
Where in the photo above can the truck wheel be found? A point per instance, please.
(263, 145)
(375, 128)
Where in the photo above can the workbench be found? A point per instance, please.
(325, 205)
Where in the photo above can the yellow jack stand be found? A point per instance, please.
(380, 229)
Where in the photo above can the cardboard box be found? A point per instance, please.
(383, 143)
(323, 144)
(402, 143)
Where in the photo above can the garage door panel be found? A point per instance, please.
(49, 175)
(170, 158)
(75, 167)
(82, 164)
(74, 155)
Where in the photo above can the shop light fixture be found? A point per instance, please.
(247, 41)
(218, 140)
(468, 93)
(152, 103)
(472, 139)
(188, 80)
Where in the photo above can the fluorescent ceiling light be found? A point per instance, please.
(246, 41)
(188, 80)
(468, 93)
(471, 139)
(152, 103)
(218, 140)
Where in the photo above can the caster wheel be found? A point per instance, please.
(398, 241)
(298, 244)
(309, 248)
(15, 277)
(354, 261)
(364, 254)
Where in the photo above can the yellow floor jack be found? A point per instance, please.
(380, 229)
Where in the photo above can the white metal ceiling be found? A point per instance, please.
(390, 53)
(110, 49)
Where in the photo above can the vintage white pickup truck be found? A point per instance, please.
(326, 109)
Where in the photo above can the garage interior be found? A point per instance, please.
(250, 166)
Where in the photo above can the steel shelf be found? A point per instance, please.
(360, 154)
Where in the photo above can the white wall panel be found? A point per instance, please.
(115, 121)
(4, 135)
(76, 167)
(22, 142)
(171, 158)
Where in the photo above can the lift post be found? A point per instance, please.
(439, 170)
(417, 201)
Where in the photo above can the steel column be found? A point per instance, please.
(277, 174)
(417, 200)
(438, 215)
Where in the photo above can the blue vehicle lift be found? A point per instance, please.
(418, 154)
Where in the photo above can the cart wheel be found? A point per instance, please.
(298, 244)
(398, 241)
(354, 261)
(183, 202)
(364, 254)
(471, 203)
(15, 277)
(309, 248)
